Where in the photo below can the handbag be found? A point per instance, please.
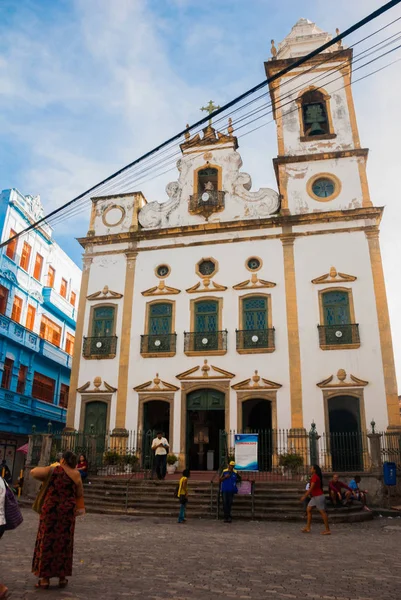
(40, 498)
(12, 511)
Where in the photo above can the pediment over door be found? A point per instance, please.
(203, 372)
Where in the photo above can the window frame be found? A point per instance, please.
(192, 309)
(64, 284)
(12, 245)
(50, 278)
(72, 293)
(269, 321)
(41, 267)
(326, 99)
(25, 256)
(61, 393)
(349, 291)
(8, 373)
(6, 296)
(208, 166)
(68, 339)
(146, 329)
(45, 338)
(20, 308)
(30, 306)
(24, 370)
(33, 387)
(92, 313)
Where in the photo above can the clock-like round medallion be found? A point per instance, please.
(205, 196)
(323, 188)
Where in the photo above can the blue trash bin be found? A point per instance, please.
(390, 473)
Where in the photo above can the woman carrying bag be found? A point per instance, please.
(61, 499)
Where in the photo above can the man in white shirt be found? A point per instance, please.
(160, 446)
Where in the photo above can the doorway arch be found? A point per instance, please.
(346, 444)
(95, 420)
(205, 420)
(257, 417)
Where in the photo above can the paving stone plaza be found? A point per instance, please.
(157, 559)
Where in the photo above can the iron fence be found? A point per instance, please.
(338, 335)
(100, 347)
(255, 338)
(390, 445)
(205, 341)
(155, 344)
(206, 201)
(289, 454)
(127, 454)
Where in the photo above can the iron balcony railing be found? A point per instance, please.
(205, 341)
(156, 344)
(100, 347)
(206, 202)
(248, 339)
(339, 335)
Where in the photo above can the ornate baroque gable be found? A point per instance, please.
(256, 383)
(161, 290)
(97, 384)
(104, 294)
(157, 385)
(205, 372)
(342, 381)
(254, 283)
(334, 277)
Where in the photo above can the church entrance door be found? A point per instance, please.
(257, 418)
(205, 419)
(345, 433)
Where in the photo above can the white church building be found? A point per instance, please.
(227, 308)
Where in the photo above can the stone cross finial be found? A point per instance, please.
(340, 42)
(273, 50)
(210, 108)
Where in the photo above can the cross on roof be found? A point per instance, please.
(210, 108)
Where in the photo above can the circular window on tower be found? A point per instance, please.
(254, 263)
(206, 267)
(162, 271)
(324, 187)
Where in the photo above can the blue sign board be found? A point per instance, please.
(246, 451)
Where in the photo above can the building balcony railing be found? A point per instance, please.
(18, 333)
(31, 406)
(206, 342)
(332, 337)
(158, 345)
(55, 353)
(59, 305)
(255, 340)
(206, 202)
(100, 347)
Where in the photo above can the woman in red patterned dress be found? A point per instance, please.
(55, 539)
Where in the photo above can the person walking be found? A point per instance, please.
(160, 446)
(182, 495)
(317, 500)
(55, 539)
(228, 486)
(3, 588)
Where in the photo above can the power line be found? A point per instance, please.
(298, 62)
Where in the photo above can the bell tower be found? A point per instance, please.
(320, 164)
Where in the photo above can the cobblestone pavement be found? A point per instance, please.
(158, 559)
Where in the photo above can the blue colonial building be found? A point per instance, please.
(39, 289)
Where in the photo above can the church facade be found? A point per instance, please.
(227, 308)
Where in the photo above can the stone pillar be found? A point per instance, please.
(375, 452)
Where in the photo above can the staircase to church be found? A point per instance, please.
(272, 501)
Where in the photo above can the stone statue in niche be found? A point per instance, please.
(208, 186)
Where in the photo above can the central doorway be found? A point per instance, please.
(346, 442)
(156, 417)
(257, 418)
(205, 419)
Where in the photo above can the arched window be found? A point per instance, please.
(336, 308)
(255, 333)
(103, 319)
(338, 327)
(159, 338)
(208, 180)
(314, 114)
(160, 318)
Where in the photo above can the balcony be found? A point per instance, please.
(206, 203)
(100, 347)
(253, 341)
(59, 306)
(18, 333)
(31, 406)
(153, 346)
(337, 337)
(55, 353)
(204, 343)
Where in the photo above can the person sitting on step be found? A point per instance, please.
(337, 496)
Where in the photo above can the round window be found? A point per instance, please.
(323, 187)
(253, 264)
(162, 271)
(207, 267)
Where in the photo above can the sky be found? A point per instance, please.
(87, 86)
